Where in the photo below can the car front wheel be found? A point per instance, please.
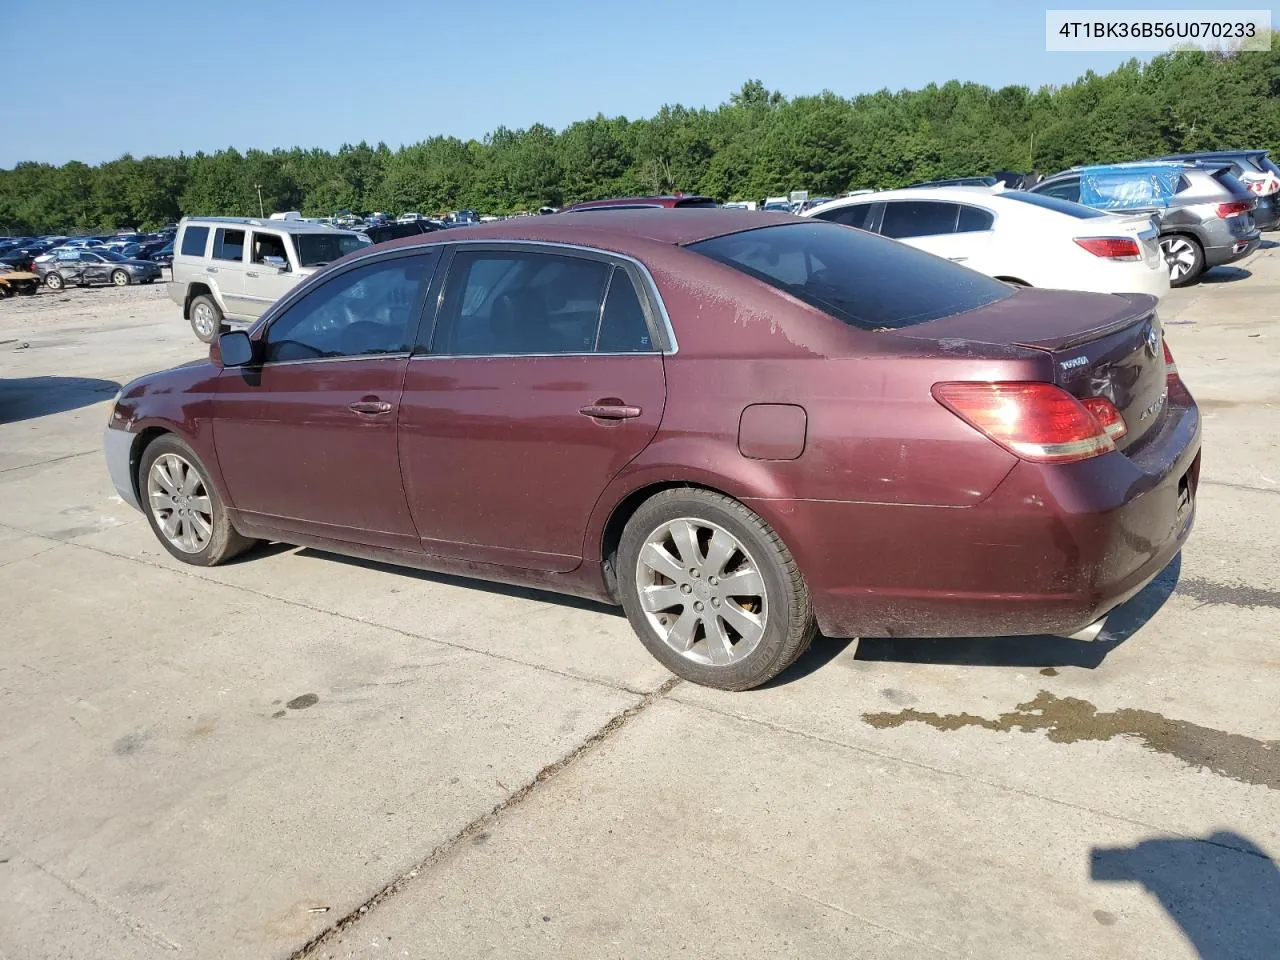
(182, 506)
(120, 278)
(54, 281)
(712, 591)
(206, 318)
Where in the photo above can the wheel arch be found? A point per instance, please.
(196, 290)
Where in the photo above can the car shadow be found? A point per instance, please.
(452, 580)
(1222, 890)
(25, 398)
(1225, 275)
(1268, 244)
(1031, 651)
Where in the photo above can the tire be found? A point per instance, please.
(700, 634)
(1184, 258)
(205, 317)
(120, 278)
(201, 532)
(54, 281)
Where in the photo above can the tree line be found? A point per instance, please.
(759, 143)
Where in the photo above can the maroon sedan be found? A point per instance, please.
(743, 427)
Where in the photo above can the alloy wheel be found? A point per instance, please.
(202, 319)
(120, 278)
(701, 591)
(180, 503)
(1179, 256)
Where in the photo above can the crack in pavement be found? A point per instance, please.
(41, 463)
(611, 727)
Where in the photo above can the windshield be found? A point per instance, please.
(865, 280)
(1077, 210)
(317, 249)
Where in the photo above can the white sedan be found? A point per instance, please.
(1025, 238)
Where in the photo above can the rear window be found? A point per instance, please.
(194, 240)
(703, 202)
(862, 279)
(1077, 210)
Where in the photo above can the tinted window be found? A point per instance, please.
(918, 218)
(974, 218)
(228, 244)
(366, 311)
(854, 215)
(623, 328)
(194, 240)
(1049, 201)
(108, 255)
(705, 202)
(317, 249)
(856, 277)
(500, 303)
(1063, 190)
(91, 257)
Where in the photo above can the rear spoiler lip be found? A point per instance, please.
(1144, 308)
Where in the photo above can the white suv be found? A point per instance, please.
(233, 268)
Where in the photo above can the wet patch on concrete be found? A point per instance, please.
(129, 744)
(302, 702)
(1231, 594)
(1070, 720)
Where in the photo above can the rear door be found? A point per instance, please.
(542, 380)
(226, 270)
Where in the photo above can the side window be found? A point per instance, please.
(228, 244)
(267, 245)
(918, 218)
(1066, 190)
(623, 328)
(194, 241)
(503, 303)
(973, 219)
(367, 311)
(854, 215)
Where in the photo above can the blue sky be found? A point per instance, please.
(147, 77)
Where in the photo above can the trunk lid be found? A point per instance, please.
(1101, 345)
(1141, 226)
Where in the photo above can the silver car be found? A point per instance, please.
(233, 268)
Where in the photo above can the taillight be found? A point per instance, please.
(1035, 421)
(1112, 248)
(1108, 417)
(1177, 389)
(1235, 207)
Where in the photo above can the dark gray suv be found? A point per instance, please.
(1257, 171)
(1206, 222)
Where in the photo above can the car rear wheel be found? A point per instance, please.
(1183, 257)
(120, 278)
(712, 591)
(182, 506)
(54, 281)
(206, 318)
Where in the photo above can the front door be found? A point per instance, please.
(226, 270)
(94, 268)
(543, 380)
(307, 438)
(269, 275)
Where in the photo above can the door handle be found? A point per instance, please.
(957, 259)
(210, 269)
(610, 410)
(371, 407)
(250, 273)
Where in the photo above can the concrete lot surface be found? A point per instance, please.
(302, 755)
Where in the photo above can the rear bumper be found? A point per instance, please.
(1051, 550)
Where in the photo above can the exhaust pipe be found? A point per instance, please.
(1087, 634)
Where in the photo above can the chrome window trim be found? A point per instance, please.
(272, 364)
(551, 245)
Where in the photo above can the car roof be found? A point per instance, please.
(288, 226)
(951, 194)
(623, 231)
(666, 200)
(1215, 154)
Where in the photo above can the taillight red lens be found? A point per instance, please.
(1035, 421)
(1236, 207)
(1108, 417)
(1112, 248)
(1178, 391)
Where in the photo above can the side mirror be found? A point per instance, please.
(236, 349)
(280, 263)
